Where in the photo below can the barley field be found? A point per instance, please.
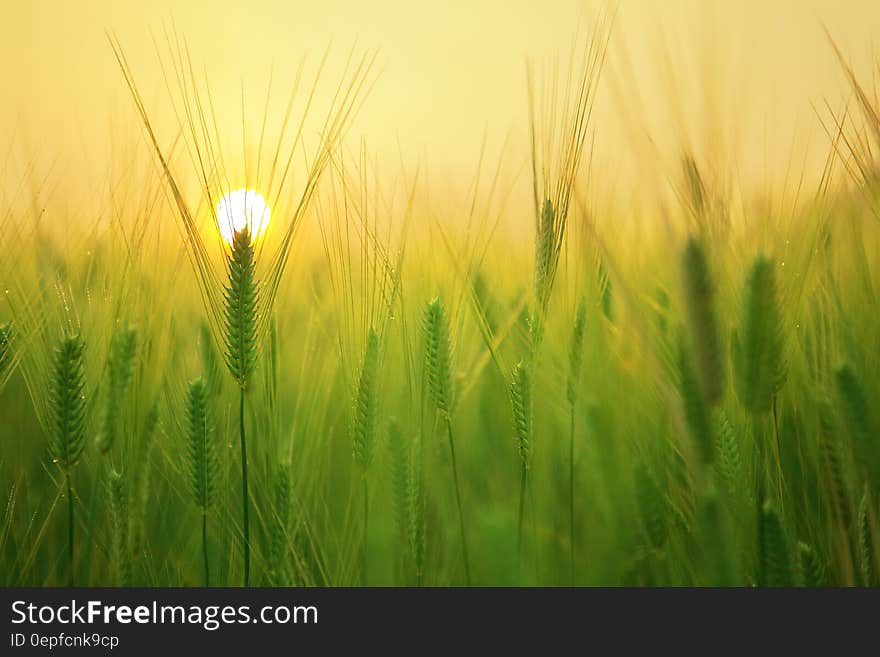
(269, 361)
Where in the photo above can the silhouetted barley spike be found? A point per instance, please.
(366, 414)
(416, 510)
(6, 336)
(858, 419)
(119, 521)
(521, 402)
(866, 542)
(281, 520)
(575, 360)
(67, 419)
(120, 368)
(201, 458)
(775, 556)
(757, 347)
(696, 411)
(438, 365)
(699, 306)
(716, 542)
(813, 571)
(653, 507)
(241, 352)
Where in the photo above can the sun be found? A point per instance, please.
(240, 208)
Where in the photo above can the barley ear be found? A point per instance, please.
(366, 411)
(833, 468)
(545, 244)
(202, 461)
(120, 368)
(866, 543)
(416, 501)
(398, 475)
(67, 404)
(281, 519)
(696, 410)
(857, 417)
(241, 310)
(521, 402)
(576, 352)
(774, 550)
(719, 563)
(757, 347)
(699, 307)
(6, 336)
(813, 571)
(652, 506)
(729, 463)
(119, 522)
(438, 355)
(141, 484)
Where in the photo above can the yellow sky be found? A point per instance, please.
(739, 76)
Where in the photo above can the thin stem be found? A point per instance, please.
(571, 497)
(464, 550)
(205, 547)
(244, 492)
(69, 525)
(364, 539)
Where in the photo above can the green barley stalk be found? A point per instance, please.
(857, 417)
(119, 522)
(653, 507)
(697, 413)
(545, 258)
(201, 458)
(281, 520)
(141, 485)
(366, 412)
(866, 543)
(575, 360)
(120, 368)
(6, 336)
(416, 502)
(366, 415)
(438, 366)
(438, 355)
(559, 131)
(715, 538)
(813, 573)
(398, 465)
(233, 312)
(757, 347)
(241, 352)
(775, 560)
(408, 497)
(521, 402)
(699, 307)
(756, 351)
(729, 468)
(729, 464)
(67, 419)
(835, 478)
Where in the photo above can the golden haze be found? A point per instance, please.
(742, 77)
